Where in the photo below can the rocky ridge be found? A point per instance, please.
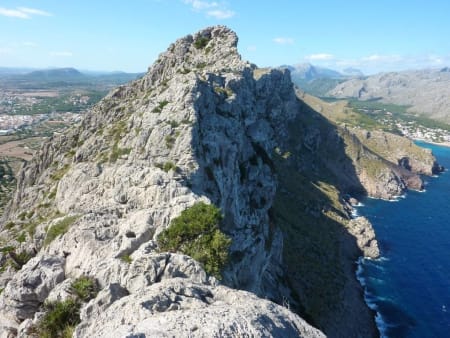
(201, 125)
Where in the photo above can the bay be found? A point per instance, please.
(409, 286)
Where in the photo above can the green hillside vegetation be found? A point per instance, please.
(196, 233)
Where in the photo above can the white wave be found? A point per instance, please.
(381, 324)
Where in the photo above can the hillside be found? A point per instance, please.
(427, 92)
(109, 211)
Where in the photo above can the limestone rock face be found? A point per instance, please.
(201, 125)
(26, 292)
(361, 228)
(177, 308)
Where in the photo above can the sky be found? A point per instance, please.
(372, 36)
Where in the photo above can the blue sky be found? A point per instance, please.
(373, 36)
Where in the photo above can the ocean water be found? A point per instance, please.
(409, 286)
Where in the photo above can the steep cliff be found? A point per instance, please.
(201, 125)
(386, 165)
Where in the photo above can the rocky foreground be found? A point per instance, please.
(201, 126)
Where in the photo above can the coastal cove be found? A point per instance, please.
(408, 286)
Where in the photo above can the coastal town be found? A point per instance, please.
(21, 110)
(411, 126)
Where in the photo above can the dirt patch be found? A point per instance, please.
(19, 148)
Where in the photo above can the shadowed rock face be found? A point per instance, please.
(201, 125)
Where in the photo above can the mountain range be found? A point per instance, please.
(426, 92)
(26, 78)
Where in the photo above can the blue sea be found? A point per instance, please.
(409, 286)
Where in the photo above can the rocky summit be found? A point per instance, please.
(81, 238)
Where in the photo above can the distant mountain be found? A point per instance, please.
(62, 77)
(318, 81)
(56, 74)
(307, 71)
(14, 71)
(426, 91)
(352, 72)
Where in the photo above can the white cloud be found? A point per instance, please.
(29, 44)
(284, 41)
(13, 13)
(201, 5)
(22, 12)
(382, 58)
(214, 9)
(319, 57)
(221, 14)
(33, 11)
(61, 54)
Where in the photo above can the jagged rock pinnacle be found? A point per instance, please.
(213, 49)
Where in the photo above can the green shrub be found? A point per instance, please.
(201, 42)
(85, 288)
(58, 174)
(21, 238)
(60, 319)
(196, 233)
(118, 152)
(169, 166)
(20, 259)
(52, 194)
(7, 249)
(126, 258)
(59, 228)
(170, 140)
(161, 105)
(173, 123)
(10, 225)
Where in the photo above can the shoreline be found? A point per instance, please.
(443, 144)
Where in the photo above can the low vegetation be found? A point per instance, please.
(61, 317)
(58, 174)
(59, 228)
(201, 42)
(126, 258)
(158, 109)
(196, 233)
(85, 288)
(59, 320)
